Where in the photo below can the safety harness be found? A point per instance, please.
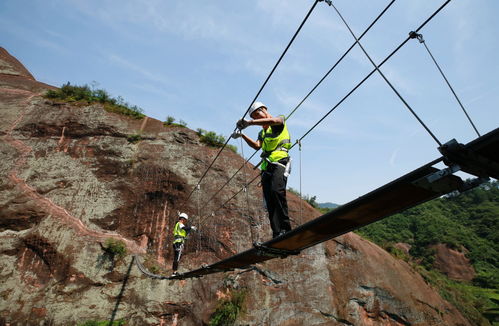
(179, 234)
(283, 144)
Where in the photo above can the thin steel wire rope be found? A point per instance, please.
(246, 190)
(386, 79)
(372, 72)
(310, 92)
(421, 40)
(350, 92)
(260, 90)
(341, 58)
(228, 200)
(301, 201)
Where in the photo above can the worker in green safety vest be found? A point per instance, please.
(275, 141)
(180, 232)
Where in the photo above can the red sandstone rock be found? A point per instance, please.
(70, 180)
(453, 263)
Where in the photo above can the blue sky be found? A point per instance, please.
(204, 61)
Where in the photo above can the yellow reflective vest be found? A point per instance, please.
(275, 144)
(179, 234)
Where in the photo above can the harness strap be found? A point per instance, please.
(178, 238)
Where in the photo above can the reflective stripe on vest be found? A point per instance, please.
(275, 146)
(179, 234)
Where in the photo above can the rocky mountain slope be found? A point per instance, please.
(70, 179)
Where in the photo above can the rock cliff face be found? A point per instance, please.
(70, 179)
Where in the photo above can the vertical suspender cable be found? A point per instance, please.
(421, 40)
(301, 196)
(245, 179)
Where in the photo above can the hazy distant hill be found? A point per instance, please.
(328, 205)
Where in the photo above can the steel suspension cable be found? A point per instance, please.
(384, 77)
(260, 90)
(419, 37)
(345, 97)
(372, 72)
(341, 58)
(301, 201)
(311, 91)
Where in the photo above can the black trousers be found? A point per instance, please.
(177, 248)
(274, 192)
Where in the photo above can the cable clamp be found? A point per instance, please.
(329, 2)
(263, 250)
(419, 37)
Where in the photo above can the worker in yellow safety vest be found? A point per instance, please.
(180, 232)
(275, 141)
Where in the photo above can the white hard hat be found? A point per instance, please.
(255, 106)
(183, 215)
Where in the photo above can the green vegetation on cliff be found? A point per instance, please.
(467, 222)
(228, 309)
(170, 122)
(116, 248)
(211, 138)
(72, 93)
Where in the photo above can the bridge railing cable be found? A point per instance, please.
(371, 73)
(259, 91)
(309, 93)
(340, 59)
(229, 180)
(204, 218)
(384, 77)
(358, 85)
(346, 96)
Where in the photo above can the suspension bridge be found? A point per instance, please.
(479, 158)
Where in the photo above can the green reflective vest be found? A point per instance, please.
(179, 234)
(275, 145)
